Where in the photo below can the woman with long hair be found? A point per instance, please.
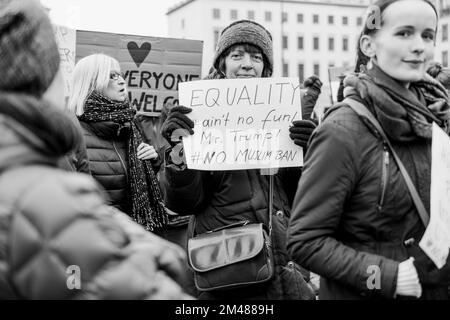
(119, 159)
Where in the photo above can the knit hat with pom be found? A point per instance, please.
(29, 56)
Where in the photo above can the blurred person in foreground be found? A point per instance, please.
(58, 238)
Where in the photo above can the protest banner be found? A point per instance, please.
(242, 123)
(436, 240)
(153, 67)
(66, 41)
(335, 74)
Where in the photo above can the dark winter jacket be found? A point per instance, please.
(216, 199)
(108, 160)
(225, 197)
(107, 150)
(58, 238)
(353, 212)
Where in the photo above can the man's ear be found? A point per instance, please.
(367, 46)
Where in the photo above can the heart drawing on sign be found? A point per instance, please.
(139, 53)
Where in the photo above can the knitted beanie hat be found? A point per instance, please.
(245, 31)
(29, 55)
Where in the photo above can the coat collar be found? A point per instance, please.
(19, 146)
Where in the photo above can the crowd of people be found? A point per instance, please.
(82, 185)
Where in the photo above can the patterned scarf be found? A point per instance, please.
(405, 114)
(146, 201)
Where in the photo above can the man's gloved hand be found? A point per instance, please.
(429, 274)
(177, 119)
(313, 87)
(301, 131)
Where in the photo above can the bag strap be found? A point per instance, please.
(271, 186)
(271, 173)
(362, 110)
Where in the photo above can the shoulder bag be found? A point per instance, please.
(233, 256)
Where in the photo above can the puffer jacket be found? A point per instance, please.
(353, 212)
(108, 159)
(220, 198)
(59, 240)
(107, 152)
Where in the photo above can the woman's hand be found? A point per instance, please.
(146, 152)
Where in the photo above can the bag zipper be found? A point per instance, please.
(236, 224)
(385, 171)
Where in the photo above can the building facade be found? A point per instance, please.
(309, 36)
(443, 38)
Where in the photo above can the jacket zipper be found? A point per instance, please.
(385, 171)
(121, 161)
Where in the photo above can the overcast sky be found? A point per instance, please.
(138, 17)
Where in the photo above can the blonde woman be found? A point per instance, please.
(118, 158)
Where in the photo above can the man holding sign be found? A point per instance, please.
(232, 135)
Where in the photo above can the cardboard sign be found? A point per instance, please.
(153, 67)
(436, 240)
(335, 74)
(242, 123)
(66, 40)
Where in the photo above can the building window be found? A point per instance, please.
(251, 15)
(317, 69)
(316, 43)
(301, 72)
(330, 19)
(445, 59)
(268, 16)
(315, 18)
(345, 21)
(284, 17)
(216, 13)
(216, 38)
(331, 44)
(445, 32)
(345, 44)
(182, 23)
(359, 21)
(300, 17)
(300, 43)
(285, 42)
(285, 70)
(233, 14)
(330, 64)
